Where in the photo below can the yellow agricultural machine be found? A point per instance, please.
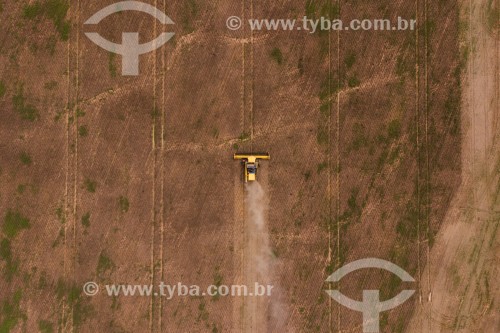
(251, 163)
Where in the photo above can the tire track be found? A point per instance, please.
(162, 176)
(329, 162)
(417, 121)
(339, 83)
(62, 321)
(153, 193)
(252, 69)
(428, 189)
(75, 161)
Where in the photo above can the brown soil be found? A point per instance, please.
(363, 130)
(461, 291)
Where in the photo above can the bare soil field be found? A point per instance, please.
(130, 180)
(463, 271)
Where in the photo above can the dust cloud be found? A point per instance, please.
(263, 265)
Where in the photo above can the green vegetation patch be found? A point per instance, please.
(11, 313)
(25, 110)
(45, 326)
(310, 9)
(51, 85)
(83, 131)
(493, 16)
(25, 158)
(55, 10)
(5, 250)
(3, 89)
(244, 136)
(322, 136)
(353, 82)
(217, 282)
(112, 64)
(90, 185)
(6, 255)
(354, 209)
(80, 113)
(86, 220)
(330, 10)
(300, 66)
(360, 139)
(72, 294)
(124, 204)
(322, 166)
(61, 216)
(215, 133)
(190, 12)
(350, 60)
(155, 113)
(407, 226)
(14, 222)
(277, 56)
(21, 188)
(104, 265)
(394, 129)
(452, 107)
(32, 11)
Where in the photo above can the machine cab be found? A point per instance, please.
(251, 171)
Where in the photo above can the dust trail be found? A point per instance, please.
(261, 255)
(263, 314)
